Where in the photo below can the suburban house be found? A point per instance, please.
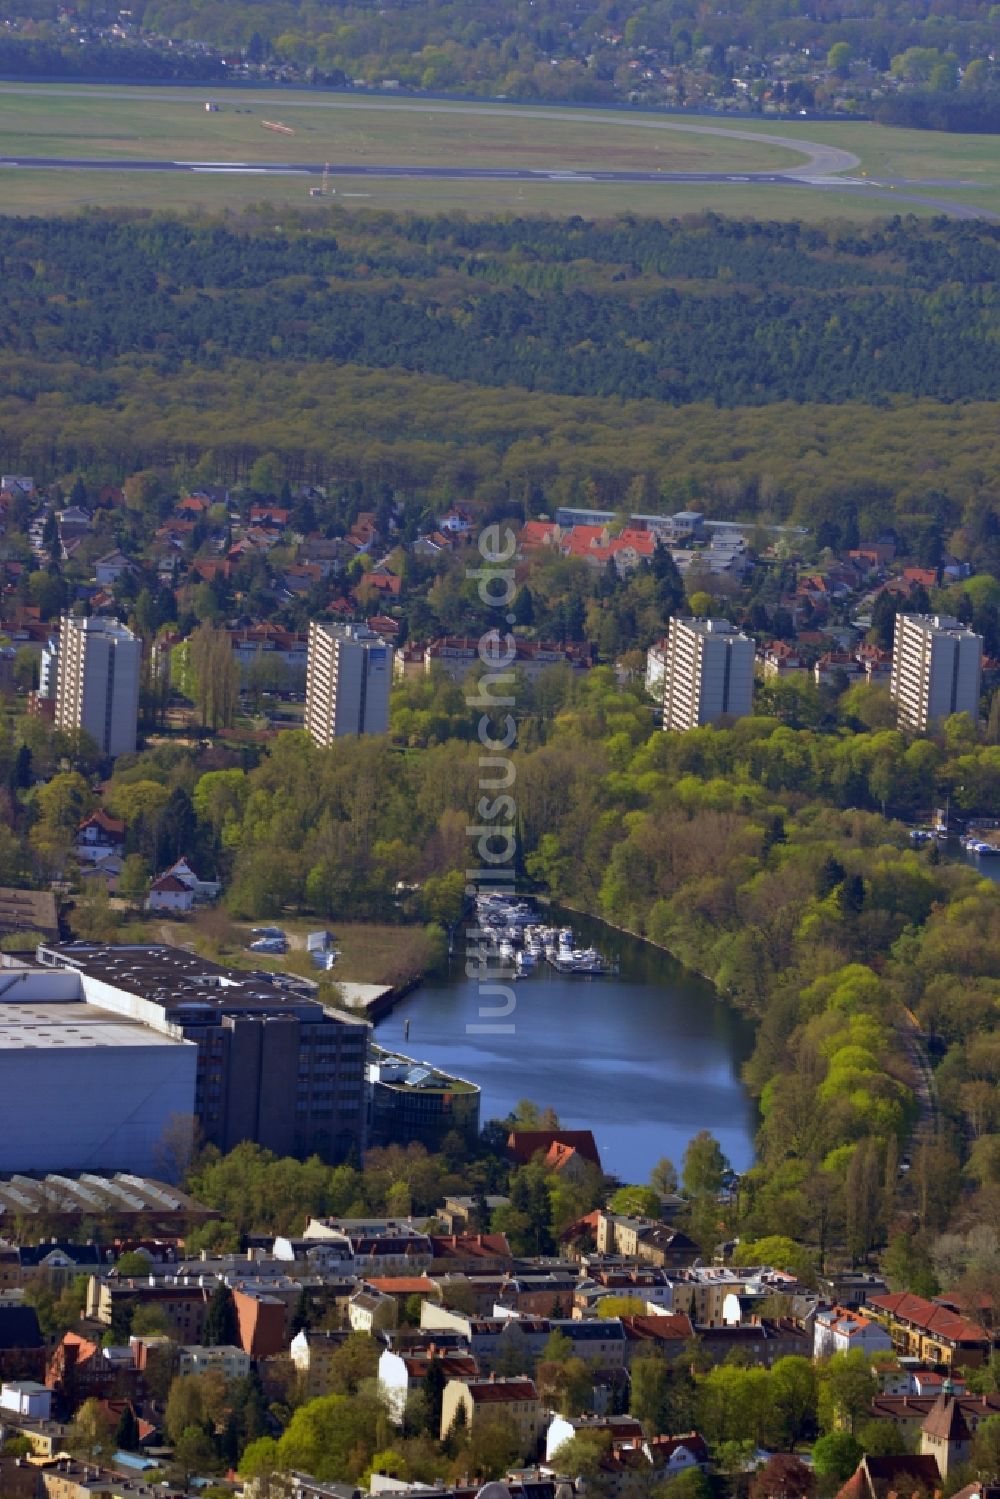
(98, 835)
(169, 894)
(179, 888)
(109, 568)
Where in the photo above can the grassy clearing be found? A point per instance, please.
(370, 953)
(173, 125)
(924, 155)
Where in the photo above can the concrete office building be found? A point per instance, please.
(348, 676)
(707, 673)
(272, 1064)
(97, 681)
(412, 1100)
(937, 669)
(84, 1088)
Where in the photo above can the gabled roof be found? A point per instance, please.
(501, 1391)
(906, 1474)
(931, 1316)
(674, 1327)
(403, 1285)
(665, 1447)
(524, 1144)
(946, 1421)
(103, 820)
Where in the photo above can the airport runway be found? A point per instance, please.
(898, 190)
(353, 169)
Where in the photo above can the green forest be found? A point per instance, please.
(763, 369)
(723, 311)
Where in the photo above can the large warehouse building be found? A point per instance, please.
(83, 1088)
(270, 1064)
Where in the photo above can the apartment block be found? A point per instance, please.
(936, 670)
(484, 1400)
(97, 682)
(707, 673)
(348, 677)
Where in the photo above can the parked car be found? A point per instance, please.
(276, 945)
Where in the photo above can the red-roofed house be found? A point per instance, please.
(99, 835)
(480, 1254)
(905, 1477)
(631, 547)
(929, 1331)
(269, 515)
(539, 533)
(566, 1160)
(168, 893)
(402, 1287)
(384, 625)
(210, 568)
(485, 1399)
(383, 581)
(524, 1144)
(669, 1333)
(401, 1373)
(78, 1369)
(920, 577)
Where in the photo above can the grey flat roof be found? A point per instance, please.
(72, 1026)
(184, 984)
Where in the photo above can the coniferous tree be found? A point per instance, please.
(221, 1325)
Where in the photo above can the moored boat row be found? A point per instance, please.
(510, 926)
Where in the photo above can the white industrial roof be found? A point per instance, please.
(71, 1026)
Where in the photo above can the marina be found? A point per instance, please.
(645, 1055)
(511, 931)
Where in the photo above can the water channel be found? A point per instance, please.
(645, 1059)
